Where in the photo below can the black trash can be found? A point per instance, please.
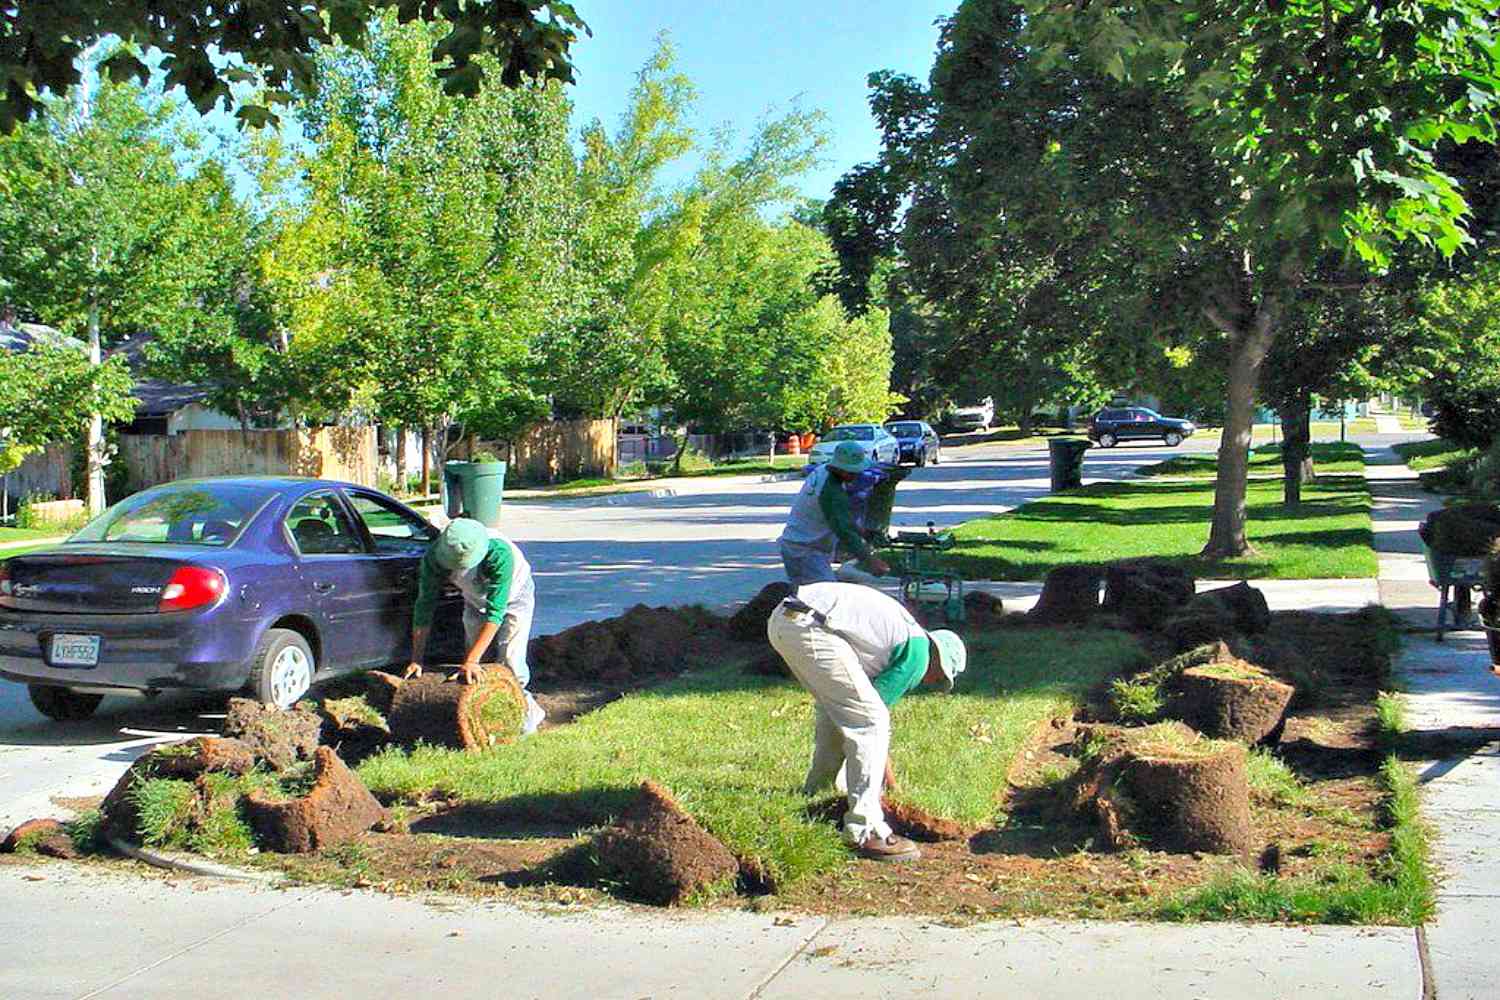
(1066, 462)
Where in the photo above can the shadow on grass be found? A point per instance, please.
(560, 814)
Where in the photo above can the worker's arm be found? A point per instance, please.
(498, 568)
(905, 671)
(470, 671)
(834, 503)
(429, 586)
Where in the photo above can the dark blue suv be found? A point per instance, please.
(1114, 424)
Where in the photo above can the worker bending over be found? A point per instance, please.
(858, 651)
(499, 600)
(820, 521)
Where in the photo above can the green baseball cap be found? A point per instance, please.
(462, 545)
(952, 656)
(849, 456)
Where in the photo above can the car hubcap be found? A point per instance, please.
(291, 676)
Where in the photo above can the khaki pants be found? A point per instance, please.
(851, 728)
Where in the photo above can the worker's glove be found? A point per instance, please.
(413, 670)
(469, 673)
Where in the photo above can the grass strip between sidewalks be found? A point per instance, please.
(734, 749)
(1327, 457)
(1329, 535)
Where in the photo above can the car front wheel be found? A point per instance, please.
(1173, 439)
(1107, 440)
(282, 668)
(63, 704)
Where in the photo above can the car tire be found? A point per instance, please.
(1107, 440)
(282, 668)
(1173, 439)
(62, 704)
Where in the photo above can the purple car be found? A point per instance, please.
(256, 583)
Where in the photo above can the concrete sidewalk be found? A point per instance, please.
(1448, 687)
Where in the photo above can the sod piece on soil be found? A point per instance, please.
(588, 651)
(659, 853)
(1169, 787)
(1463, 530)
(1146, 594)
(440, 712)
(1232, 701)
(748, 624)
(280, 738)
(353, 727)
(1070, 594)
(44, 836)
(653, 639)
(336, 810)
(380, 690)
(1246, 605)
(200, 754)
(982, 610)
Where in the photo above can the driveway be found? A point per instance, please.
(712, 543)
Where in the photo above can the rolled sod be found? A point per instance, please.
(434, 710)
(1232, 701)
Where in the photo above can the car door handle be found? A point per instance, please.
(323, 587)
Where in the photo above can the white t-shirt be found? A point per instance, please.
(873, 623)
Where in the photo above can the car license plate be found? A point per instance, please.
(75, 650)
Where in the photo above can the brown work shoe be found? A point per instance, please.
(888, 848)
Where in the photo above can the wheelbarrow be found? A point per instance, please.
(1448, 573)
(916, 555)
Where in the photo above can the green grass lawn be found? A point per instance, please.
(1327, 457)
(1434, 453)
(734, 748)
(22, 534)
(1328, 536)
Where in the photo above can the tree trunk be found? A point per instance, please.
(1296, 447)
(426, 461)
(401, 462)
(1250, 341)
(95, 443)
(687, 432)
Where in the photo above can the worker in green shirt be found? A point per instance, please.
(499, 601)
(820, 522)
(859, 651)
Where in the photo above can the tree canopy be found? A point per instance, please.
(210, 47)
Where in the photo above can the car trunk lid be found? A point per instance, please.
(92, 579)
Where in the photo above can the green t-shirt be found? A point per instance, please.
(907, 668)
(494, 574)
(833, 501)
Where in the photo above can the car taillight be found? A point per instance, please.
(4, 579)
(192, 587)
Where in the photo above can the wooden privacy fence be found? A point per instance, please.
(47, 472)
(560, 450)
(345, 453)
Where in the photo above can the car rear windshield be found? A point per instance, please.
(187, 514)
(904, 430)
(851, 434)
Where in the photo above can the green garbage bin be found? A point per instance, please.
(474, 489)
(1066, 461)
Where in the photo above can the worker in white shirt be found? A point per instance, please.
(859, 651)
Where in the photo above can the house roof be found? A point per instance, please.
(154, 397)
(18, 337)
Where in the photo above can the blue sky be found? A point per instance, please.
(746, 58)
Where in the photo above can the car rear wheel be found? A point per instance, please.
(1107, 440)
(282, 668)
(1173, 439)
(63, 704)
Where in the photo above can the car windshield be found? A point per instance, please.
(863, 432)
(185, 514)
(905, 429)
(1149, 414)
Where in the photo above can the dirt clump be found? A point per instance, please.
(448, 713)
(1201, 625)
(1465, 530)
(588, 651)
(353, 727)
(1232, 700)
(336, 810)
(1245, 605)
(916, 823)
(380, 690)
(44, 836)
(1070, 594)
(659, 853)
(653, 640)
(1166, 785)
(278, 737)
(1146, 594)
(186, 761)
(748, 624)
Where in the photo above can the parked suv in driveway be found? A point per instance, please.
(1112, 425)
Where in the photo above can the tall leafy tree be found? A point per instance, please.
(97, 233)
